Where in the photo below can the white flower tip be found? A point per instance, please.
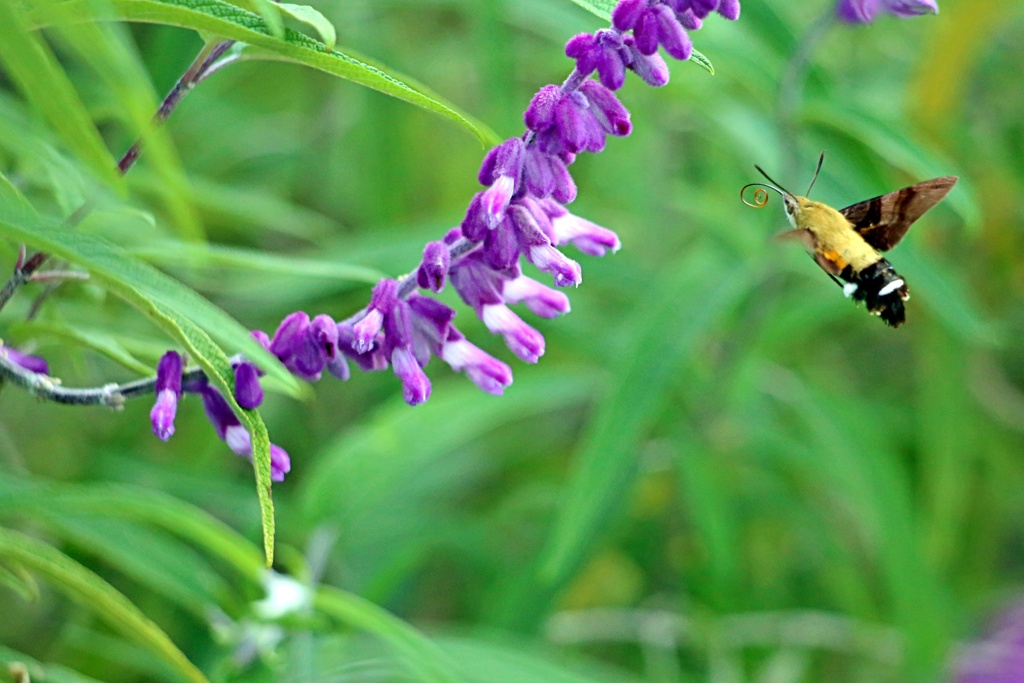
(285, 595)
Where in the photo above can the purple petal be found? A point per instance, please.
(289, 335)
(415, 383)
(163, 413)
(248, 391)
(539, 298)
(540, 114)
(523, 340)
(627, 13)
(485, 371)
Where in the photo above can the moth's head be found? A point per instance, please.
(792, 204)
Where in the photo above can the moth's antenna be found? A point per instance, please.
(777, 186)
(760, 196)
(821, 160)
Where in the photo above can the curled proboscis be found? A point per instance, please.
(760, 194)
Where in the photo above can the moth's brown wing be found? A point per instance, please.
(883, 221)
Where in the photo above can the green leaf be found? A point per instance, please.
(141, 285)
(97, 340)
(267, 9)
(703, 62)
(24, 497)
(219, 18)
(207, 255)
(308, 15)
(602, 8)
(31, 65)
(20, 581)
(89, 589)
(422, 656)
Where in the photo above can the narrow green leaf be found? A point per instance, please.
(50, 673)
(268, 11)
(703, 62)
(86, 587)
(308, 15)
(423, 657)
(30, 64)
(27, 498)
(97, 340)
(213, 255)
(220, 18)
(666, 332)
(141, 285)
(20, 581)
(602, 8)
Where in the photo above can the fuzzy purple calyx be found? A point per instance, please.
(248, 391)
(539, 298)
(433, 271)
(290, 335)
(31, 363)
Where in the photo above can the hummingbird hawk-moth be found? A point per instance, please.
(847, 244)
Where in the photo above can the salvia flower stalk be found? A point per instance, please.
(521, 215)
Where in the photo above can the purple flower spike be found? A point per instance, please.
(539, 298)
(248, 391)
(168, 391)
(433, 271)
(31, 363)
(485, 371)
(523, 340)
(381, 302)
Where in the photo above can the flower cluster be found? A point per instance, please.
(520, 215)
(865, 11)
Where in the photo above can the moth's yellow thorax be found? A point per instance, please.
(833, 233)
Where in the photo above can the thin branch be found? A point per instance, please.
(110, 395)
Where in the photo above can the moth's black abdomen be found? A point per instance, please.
(881, 289)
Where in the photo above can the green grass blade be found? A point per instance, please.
(86, 587)
(30, 64)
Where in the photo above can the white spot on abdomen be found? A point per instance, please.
(849, 288)
(891, 287)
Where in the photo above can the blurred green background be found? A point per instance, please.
(720, 470)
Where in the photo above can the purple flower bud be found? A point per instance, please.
(501, 169)
(588, 237)
(538, 177)
(431, 319)
(539, 298)
(858, 11)
(540, 252)
(687, 19)
(730, 9)
(248, 391)
(31, 363)
(601, 52)
(523, 340)
(650, 68)
(318, 348)
(501, 248)
(565, 186)
(368, 361)
(702, 8)
(485, 371)
(578, 129)
(415, 383)
(381, 302)
(606, 108)
(627, 13)
(671, 35)
(865, 11)
(540, 114)
(433, 270)
(476, 282)
(168, 391)
(261, 337)
(646, 33)
(475, 226)
(290, 335)
(230, 430)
